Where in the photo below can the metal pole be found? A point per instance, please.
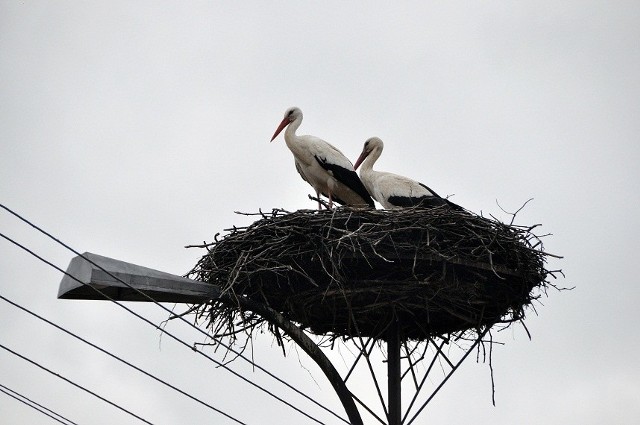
(393, 374)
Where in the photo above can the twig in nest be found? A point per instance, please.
(321, 201)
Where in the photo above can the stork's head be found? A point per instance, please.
(370, 145)
(290, 115)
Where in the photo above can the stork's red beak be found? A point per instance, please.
(361, 158)
(282, 125)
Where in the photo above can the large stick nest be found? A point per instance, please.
(346, 273)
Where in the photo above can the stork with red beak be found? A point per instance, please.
(323, 166)
(392, 190)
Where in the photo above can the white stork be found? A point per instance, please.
(323, 166)
(392, 190)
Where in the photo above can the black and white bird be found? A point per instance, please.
(392, 190)
(323, 166)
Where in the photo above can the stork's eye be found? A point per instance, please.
(366, 143)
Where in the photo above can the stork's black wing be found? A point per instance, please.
(347, 177)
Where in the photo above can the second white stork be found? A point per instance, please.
(393, 190)
(323, 166)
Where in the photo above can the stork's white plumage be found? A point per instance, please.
(393, 190)
(323, 166)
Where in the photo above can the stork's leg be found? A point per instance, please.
(319, 203)
(330, 201)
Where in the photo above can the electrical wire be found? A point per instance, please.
(164, 331)
(238, 354)
(220, 364)
(36, 406)
(74, 384)
(119, 359)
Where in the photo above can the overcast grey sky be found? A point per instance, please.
(131, 129)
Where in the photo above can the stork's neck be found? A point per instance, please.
(290, 131)
(367, 164)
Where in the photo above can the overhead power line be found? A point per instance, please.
(169, 334)
(119, 359)
(74, 384)
(36, 406)
(170, 312)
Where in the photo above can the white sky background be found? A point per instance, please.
(131, 129)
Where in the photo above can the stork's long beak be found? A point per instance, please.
(282, 125)
(361, 158)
